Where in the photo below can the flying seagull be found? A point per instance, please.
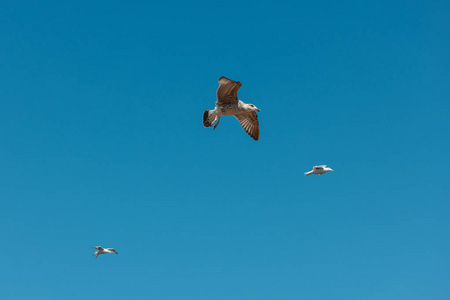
(228, 104)
(101, 250)
(319, 170)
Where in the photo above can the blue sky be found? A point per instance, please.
(103, 144)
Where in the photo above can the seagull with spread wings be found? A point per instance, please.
(101, 250)
(228, 104)
(319, 170)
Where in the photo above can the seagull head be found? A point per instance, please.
(329, 169)
(252, 107)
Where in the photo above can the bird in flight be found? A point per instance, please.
(228, 104)
(319, 170)
(101, 250)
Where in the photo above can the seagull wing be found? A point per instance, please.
(249, 121)
(321, 167)
(112, 250)
(227, 91)
(97, 248)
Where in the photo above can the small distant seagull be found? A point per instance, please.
(101, 250)
(228, 104)
(319, 170)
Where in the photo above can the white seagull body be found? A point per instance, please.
(228, 104)
(101, 250)
(319, 170)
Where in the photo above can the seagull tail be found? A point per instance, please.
(209, 118)
(308, 173)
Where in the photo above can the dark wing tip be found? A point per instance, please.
(237, 82)
(256, 136)
(252, 134)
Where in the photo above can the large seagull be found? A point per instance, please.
(228, 104)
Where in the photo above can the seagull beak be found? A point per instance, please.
(258, 110)
(332, 170)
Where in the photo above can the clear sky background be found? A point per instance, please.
(102, 143)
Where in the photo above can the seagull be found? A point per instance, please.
(228, 104)
(319, 170)
(101, 250)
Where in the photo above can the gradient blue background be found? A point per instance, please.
(102, 143)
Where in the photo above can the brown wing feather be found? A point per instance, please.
(227, 91)
(249, 122)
